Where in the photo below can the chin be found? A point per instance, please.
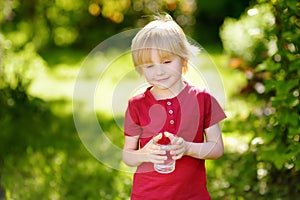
(162, 87)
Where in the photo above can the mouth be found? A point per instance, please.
(162, 79)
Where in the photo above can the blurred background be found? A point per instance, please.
(255, 45)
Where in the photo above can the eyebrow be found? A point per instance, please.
(167, 57)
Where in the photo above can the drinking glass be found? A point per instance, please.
(169, 165)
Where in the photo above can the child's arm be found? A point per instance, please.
(132, 156)
(213, 148)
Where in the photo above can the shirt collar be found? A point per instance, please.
(182, 92)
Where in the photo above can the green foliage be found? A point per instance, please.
(250, 31)
(271, 63)
(80, 23)
(41, 155)
(43, 158)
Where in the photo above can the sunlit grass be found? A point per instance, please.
(55, 83)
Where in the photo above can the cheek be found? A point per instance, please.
(176, 70)
(147, 73)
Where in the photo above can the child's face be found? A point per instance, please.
(163, 72)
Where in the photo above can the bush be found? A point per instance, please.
(245, 38)
(270, 60)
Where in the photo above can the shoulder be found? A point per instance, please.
(202, 95)
(140, 99)
(137, 98)
(197, 91)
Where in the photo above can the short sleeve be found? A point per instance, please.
(131, 123)
(213, 111)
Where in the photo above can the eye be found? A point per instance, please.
(167, 61)
(148, 66)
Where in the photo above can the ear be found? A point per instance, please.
(184, 62)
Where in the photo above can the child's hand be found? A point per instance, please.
(153, 152)
(179, 147)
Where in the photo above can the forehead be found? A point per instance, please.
(150, 55)
(156, 54)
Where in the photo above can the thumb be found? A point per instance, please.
(157, 137)
(171, 136)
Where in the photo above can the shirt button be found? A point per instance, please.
(171, 121)
(170, 112)
(169, 103)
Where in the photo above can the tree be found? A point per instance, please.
(267, 50)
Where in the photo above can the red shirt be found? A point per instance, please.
(186, 115)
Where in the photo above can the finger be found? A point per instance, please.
(157, 137)
(177, 152)
(156, 149)
(177, 157)
(157, 159)
(168, 134)
(179, 140)
(159, 152)
(171, 136)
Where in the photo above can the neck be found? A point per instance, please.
(167, 93)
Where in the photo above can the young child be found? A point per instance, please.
(186, 114)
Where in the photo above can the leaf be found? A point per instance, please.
(295, 65)
(272, 66)
(293, 119)
(292, 4)
(269, 85)
(293, 131)
(283, 87)
(268, 65)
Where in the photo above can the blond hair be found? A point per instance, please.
(164, 35)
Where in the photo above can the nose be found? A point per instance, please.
(159, 69)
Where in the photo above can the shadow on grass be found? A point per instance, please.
(42, 157)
